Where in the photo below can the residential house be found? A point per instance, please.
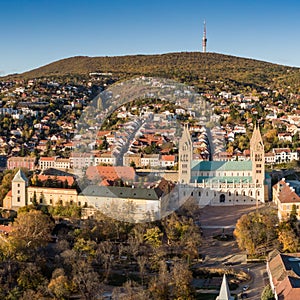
(285, 136)
(105, 158)
(282, 154)
(285, 196)
(150, 160)
(285, 155)
(21, 162)
(284, 275)
(62, 163)
(54, 162)
(167, 160)
(47, 162)
(129, 158)
(81, 160)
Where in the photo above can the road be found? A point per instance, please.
(215, 220)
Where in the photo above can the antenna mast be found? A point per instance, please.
(204, 39)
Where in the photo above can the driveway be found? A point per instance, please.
(216, 220)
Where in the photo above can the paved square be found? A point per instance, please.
(223, 215)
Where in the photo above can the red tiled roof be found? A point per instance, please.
(69, 179)
(285, 276)
(5, 229)
(168, 157)
(279, 150)
(286, 193)
(47, 158)
(103, 133)
(110, 173)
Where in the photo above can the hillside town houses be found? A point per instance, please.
(143, 136)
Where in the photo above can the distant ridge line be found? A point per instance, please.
(191, 67)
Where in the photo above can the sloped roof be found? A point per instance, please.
(20, 177)
(222, 165)
(70, 179)
(286, 193)
(285, 272)
(110, 172)
(120, 192)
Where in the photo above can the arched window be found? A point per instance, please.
(222, 198)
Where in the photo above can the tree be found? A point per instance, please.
(159, 286)
(85, 248)
(31, 229)
(182, 278)
(287, 237)
(104, 254)
(293, 216)
(142, 261)
(34, 200)
(267, 293)
(82, 276)
(31, 277)
(256, 232)
(132, 164)
(86, 280)
(183, 234)
(59, 285)
(131, 291)
(153, 237)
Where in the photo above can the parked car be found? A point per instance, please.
(245, 288)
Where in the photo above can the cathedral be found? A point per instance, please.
(223, 182)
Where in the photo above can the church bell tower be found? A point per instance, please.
(185, 156)
(257, 154)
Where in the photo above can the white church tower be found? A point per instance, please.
(185, 156)
(224, 291)
(18, 189)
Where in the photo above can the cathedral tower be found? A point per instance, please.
(257, 154)
(185, 156)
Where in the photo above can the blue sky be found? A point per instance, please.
(37, 32)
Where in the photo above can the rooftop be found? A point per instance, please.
(120, 192)
(222, 165)
(285, 273)
(20, 177)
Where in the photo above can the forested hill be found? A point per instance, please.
(192, 67)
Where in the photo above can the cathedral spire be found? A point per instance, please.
(256, 138)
